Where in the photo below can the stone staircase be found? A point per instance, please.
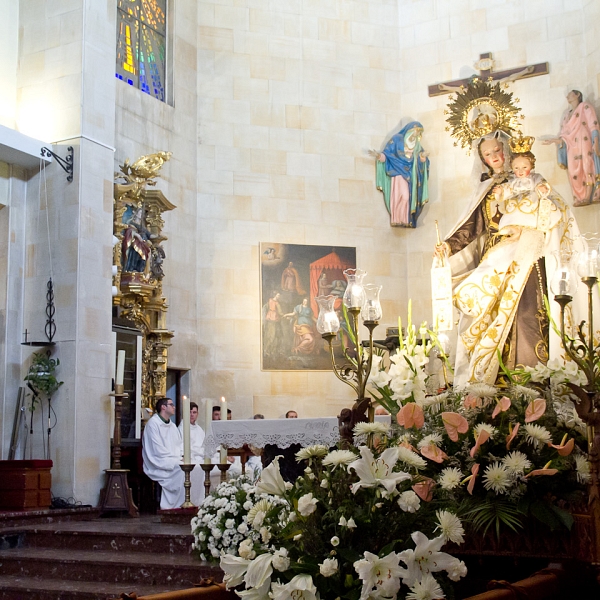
(97, 560)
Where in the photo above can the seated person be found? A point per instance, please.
(196, 455)
(161, 452)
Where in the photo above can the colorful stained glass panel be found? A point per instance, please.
(141, 45)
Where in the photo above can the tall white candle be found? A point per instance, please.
(185, 407)
(223, 452)
(207, 420)
(120, 367)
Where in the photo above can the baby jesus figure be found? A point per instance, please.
(524, 199)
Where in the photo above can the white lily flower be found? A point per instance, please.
(379, 575)
(259, 593)
(259, 570)
(375, 472)
(271, 481)
(301, 587)
(234, 568)
(425, 558)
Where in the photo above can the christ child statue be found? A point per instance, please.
(524, 198)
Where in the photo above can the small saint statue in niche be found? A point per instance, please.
(136, 245)
(403, 175)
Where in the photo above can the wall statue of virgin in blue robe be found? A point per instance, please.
(403, 174)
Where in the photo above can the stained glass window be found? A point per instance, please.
(141, 45)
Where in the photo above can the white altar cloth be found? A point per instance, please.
(279, 432)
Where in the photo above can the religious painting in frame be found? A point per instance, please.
(292, 276)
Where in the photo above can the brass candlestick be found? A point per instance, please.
(207, 468)
(187, 484)
(223, 468)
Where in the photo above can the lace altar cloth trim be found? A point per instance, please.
(279, 432)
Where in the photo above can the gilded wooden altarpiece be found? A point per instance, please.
(138, 255)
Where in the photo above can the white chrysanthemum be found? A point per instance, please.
(262, 506)
(315, 451)
(281, 562)
(435, 403)
(426, 589)
(516, 462)
(450, 526)
(484, 427)
(246, 549)
(496, 478)
(537, 435)
(410, 458)
(480, 390)
(450, 478)
(583, 469)
(368, 428)
(338, 458)
(432, 438)
(529, 393)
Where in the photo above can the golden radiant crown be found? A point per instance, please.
(521, 143)
(481, 108)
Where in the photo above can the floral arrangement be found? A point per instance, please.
(501, 454)
(356, 525)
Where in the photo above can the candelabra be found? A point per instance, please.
(359, 300)
(585, 352)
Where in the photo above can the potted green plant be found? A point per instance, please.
(25, 484)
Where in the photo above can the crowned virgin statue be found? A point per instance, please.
(500, 250)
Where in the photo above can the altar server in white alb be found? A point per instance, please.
(162, 454)
(196, 455)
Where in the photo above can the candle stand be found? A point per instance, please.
(187, 484)
(116, 495)
(358, 301)
(585, 352)
(223, 468)
(207, 468)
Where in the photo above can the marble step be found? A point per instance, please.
(132, 535)
(130, 568)
(18, 588)
(101, 541)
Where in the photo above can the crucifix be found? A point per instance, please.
(485, 65)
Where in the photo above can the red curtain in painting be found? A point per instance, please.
(333, 266)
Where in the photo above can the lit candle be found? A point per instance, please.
(223, 451)
(120, 367)
(223, 409)
(186, 430)
(207, 420)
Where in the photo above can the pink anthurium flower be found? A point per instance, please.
(472, 477)
(535, 409)
(512, 434)
(411, 415)
(424, 489)
(482, 438)
(432, 452)
(454, 424)
(470, 401)
(501, 405)
(543, 471)
(564, 449)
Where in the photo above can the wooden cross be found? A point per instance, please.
(485, 66)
